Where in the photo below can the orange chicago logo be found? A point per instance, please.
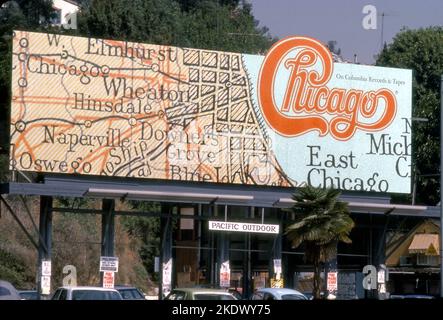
(307, 103)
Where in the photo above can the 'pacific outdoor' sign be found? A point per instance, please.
(121, 109)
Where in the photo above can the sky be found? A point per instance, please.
(341, 20)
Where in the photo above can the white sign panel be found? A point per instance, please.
(109, 264)
(46, 284)
(46, 268)
(333, 124)
(225, 275)
(381, 276)
(277, 268)
(243, 227)
(167, 273)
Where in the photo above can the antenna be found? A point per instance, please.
(383, 15)
(382, 28)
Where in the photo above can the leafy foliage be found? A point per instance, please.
(422, 51)
(147, 229)
(321, 222)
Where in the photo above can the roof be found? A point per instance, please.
(400, 246)
(425, 243)
(398, 241)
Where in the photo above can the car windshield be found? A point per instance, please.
(95, 295)
(212, 296)
(292, 297)
(31, 295)
(4, 291)
(130, 294)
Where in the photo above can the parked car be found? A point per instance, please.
(85, 293)
(130, 293)
(199, 294)
(28, 294)
(278, 294)
(8, 291)
(235, 293)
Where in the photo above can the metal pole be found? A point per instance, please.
(441, 185)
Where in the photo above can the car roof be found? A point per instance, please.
(13, 291)
(280, 291)
(202, 290)
(86, 288)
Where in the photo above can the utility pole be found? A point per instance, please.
(382, 27)
(441, 185)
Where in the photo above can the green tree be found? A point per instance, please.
(149, 21)
(422, 51)
(217, 26)
(147, 229)
(322, 220)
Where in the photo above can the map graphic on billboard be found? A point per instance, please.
(114, 108)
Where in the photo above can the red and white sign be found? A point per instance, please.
(225, 275)
(332, 281)
(108, 279)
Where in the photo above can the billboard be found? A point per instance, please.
(114, 108)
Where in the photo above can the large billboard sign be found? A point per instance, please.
(115, 108)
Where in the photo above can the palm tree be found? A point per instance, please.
(321, 222)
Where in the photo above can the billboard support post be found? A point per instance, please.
(441, 184)
(44, 246)
(108, 231)
(166, 264)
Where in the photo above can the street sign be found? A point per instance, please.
(167, 273)
(45, 283)
(46, 268)
(332, 281)
(381, 276)
(225, 275)
(109, 264)
(277, 268)
(108, 279)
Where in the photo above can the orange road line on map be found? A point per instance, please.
(128, 133)
(103, 153)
